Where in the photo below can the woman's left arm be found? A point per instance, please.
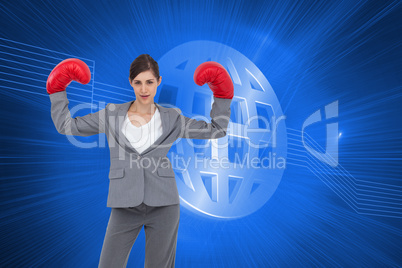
(199, 129)
(219, 81)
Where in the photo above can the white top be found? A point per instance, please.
(143, 137)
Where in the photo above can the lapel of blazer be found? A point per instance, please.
(121, 115)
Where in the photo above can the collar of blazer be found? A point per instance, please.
(121, 113)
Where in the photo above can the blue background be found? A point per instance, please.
(53, 194)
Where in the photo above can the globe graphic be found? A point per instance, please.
(225, 177)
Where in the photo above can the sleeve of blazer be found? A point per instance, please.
(199, 129)
(87, 125)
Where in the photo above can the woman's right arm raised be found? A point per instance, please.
(60, 77)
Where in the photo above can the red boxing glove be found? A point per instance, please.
(217, 77)
(65, 72)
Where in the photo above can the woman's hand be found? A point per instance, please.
(217, 77)
(65, 72)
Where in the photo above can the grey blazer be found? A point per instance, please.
(133, 177)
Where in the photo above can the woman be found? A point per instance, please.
(142, 185)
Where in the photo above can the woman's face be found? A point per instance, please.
(145, 84)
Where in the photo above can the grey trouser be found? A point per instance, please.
(161, 225)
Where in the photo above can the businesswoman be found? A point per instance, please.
(142, 185)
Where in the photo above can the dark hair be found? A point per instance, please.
(143, 63)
